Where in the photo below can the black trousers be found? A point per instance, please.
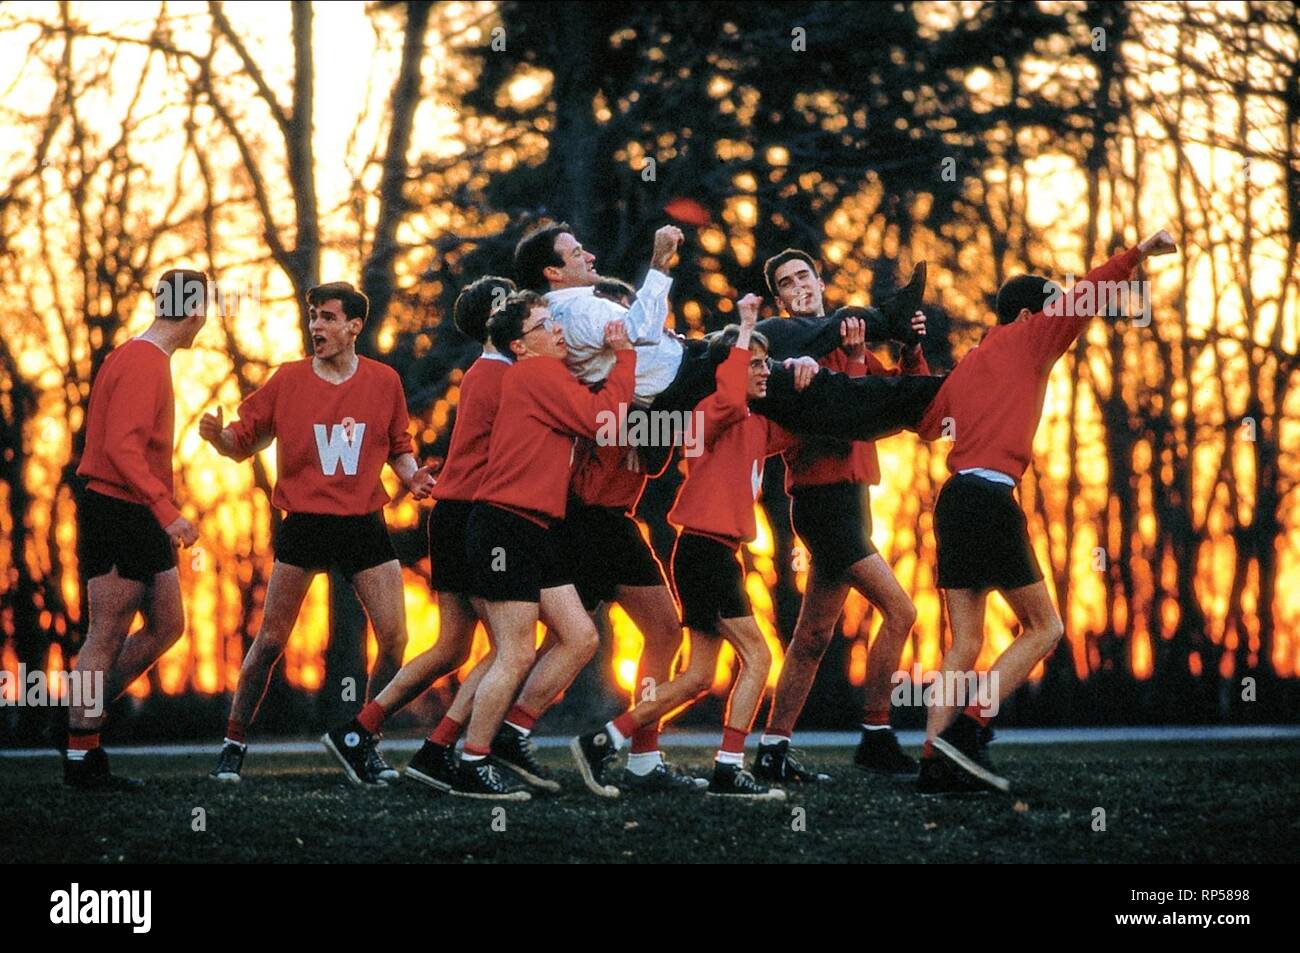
(833, 405)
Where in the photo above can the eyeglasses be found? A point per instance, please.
(547, 323)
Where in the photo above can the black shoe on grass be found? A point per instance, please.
(519, 754)
(351, 746)
(664, 777)
(777, 764)
(434, 765)
(939, 776)
(92, 774)
(594, 754)
(377, 767)
(878, 752)
(229, 763)
(960, 744)
(486, 780)
(733, 781)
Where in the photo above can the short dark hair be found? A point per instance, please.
(177, 288)
(507, 321)
(776, 261)
(1024, 291)
(475, 303)
(616, 289)
(726, 339)
(536, 252)
(355, 304)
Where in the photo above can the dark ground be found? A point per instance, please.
(1171, 802)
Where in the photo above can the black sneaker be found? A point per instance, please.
(664, 777)
(351, 746)
(733, 781)
(434, 765)
(960, 744)
(899, 307)
(484, 779)
(519, 754)
(878, 751)
(595, 754)
(92, 774)
(376, 766)
(939, 776)
(229, 763)
(777, 764)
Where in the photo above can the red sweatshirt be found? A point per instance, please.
(129, 429)
(822, 461)
(609, 476)
(722, 483)
(332, 440)
(543, 408)
(994, 396)
(480, 394)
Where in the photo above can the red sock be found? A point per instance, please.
(522, 718)
(733, 740)
(372, 716)
(626, 726)
(927, 750)
(646, 739)
(973, 711)
(446, 733)
(481, 752)
(876, 716)
(235, 731)
(79, 741)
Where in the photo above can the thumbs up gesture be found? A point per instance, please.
(212, 429)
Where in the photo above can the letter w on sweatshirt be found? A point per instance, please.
(339, 447)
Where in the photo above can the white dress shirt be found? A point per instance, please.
(584, 316)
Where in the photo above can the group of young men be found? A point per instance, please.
(534, 514)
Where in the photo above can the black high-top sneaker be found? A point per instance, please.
(733, 781)
(229, 763)
(92, 774)
(351, 746)
(777, 764)
(960, 744)
(594, 754)
(485, 780)
(878, 751)
(434, 765)
(518, 752)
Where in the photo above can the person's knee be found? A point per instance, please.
(392, 641)
(900, 614)
(1048, 634)
(583, 640)
(696, 682)
(267, 648)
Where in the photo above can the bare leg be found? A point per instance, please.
(873, 578)
(823, 601)
(113, 604)
(164, 623)
(755, 662)
(513, 625)
(652, 610)
(689, 686)
(456, 622)
(380, 590)
(575, 643)
(284, 594)
(1042, 631)
(966, 617)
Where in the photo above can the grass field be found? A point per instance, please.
(1171, 802)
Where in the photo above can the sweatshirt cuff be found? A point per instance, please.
(164, 511)
(656, 283)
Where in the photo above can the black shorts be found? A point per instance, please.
(511, 558)
(604, 549)
(320, 541)
(709, 580)
(448, 524)
(113, 532)
(982, 536)
(834, 522)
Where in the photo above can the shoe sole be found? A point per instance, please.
(542, 784)
(429, 780)
(776, 794)
(974, 769)
(512, 796)
(589, 779)
(227, 778)
(355, 778)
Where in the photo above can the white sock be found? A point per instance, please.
(731, 757)
(615, 736)
(472, 757)
(766, 739)
(523, 731)
(875, 727)
(642, 763)
(243, 746)
(76, 755)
